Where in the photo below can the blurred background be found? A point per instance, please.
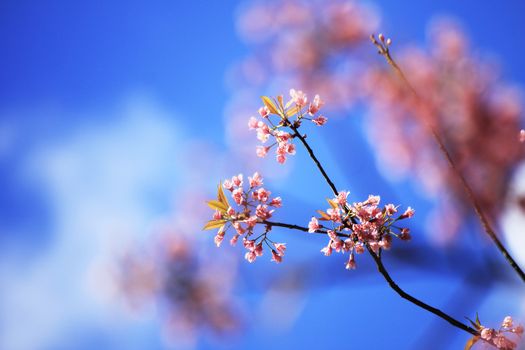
(118, 119)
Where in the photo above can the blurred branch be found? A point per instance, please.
(383, 49)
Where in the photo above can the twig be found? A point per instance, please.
(385, 52)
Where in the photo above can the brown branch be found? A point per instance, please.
(381, 268)
(385, 52)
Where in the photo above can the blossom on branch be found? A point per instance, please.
(286, 120)
(351, 228)
(253, 207)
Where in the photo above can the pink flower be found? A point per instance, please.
(256, 180)
(298, 97)
(237, 180)
(335, 214)
(234, 239)
(264, 112)
(262, 212)
(227, 185)
(313, 225)
(405, 234)
(315, 105)
(518, 330)
(281, 158)
(253, 123)
(276, 257)
(218, 239)
(320, 120)
(327, 251)
(248, 244)
(230, 211)
(408, 213)
(251, 221)
(258, 249)
(507, 322)
(237, 196)
(261, 151)
(217, 215)
(372, 200)
(350, 264)
(359, 248)
(280, 247)
(282, 136)
(250, 256)
(290, 148)
(522, 135)
(487, 333)
(262, 194)
(276, 202)
(390, 209)
(341, 197)
(263, 133)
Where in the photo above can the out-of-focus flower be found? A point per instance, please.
(465, 101)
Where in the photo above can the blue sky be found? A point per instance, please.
(100, 106)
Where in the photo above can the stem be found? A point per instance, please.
(385, 52)
(299, 228)
(383, 271)
(314, 158)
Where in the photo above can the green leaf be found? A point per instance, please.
(471, 342)
(210, 225)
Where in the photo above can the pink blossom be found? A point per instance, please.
(320, 120)
(255, 180)
(230, 211)
(234, 239)
(341, 197)
(290, 148)
(350, 264)
(262, 194)
(253, 123)
(276, 202)
(262, 212)
(507, 322)
(315, 105)
(408, 213)
(248, 244)
(335, 214)
(390, 209)
(250, 256)
(217, 215)
(282, 136)
(261, 151)
(218, 239)
(258, 249)
(487, 333)
(264, 112)
(313, 225)
(237, 196)
(251, 221)
(280, 247)
(405, 234)
(228, 185)
(372, 200)
(522, 135)
(518, 330)
(237, 180)
(298, 97)
(276, 257)
(281, 158)
(359, 248)
(327, 251)
(263, 133)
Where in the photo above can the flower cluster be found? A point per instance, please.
(499, 338)
(287, 115)
(355, 226)
(252, 206)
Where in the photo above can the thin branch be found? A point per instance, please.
(381, 268)
(383, 271)
(385, 52)
(314, 158)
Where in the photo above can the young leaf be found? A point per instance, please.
(332, 203)
(293, 110)
(210, 225)
(216, 205)
(324, 216)
(471, 342)
(269, 103)
(280, 100)
(222, 197)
